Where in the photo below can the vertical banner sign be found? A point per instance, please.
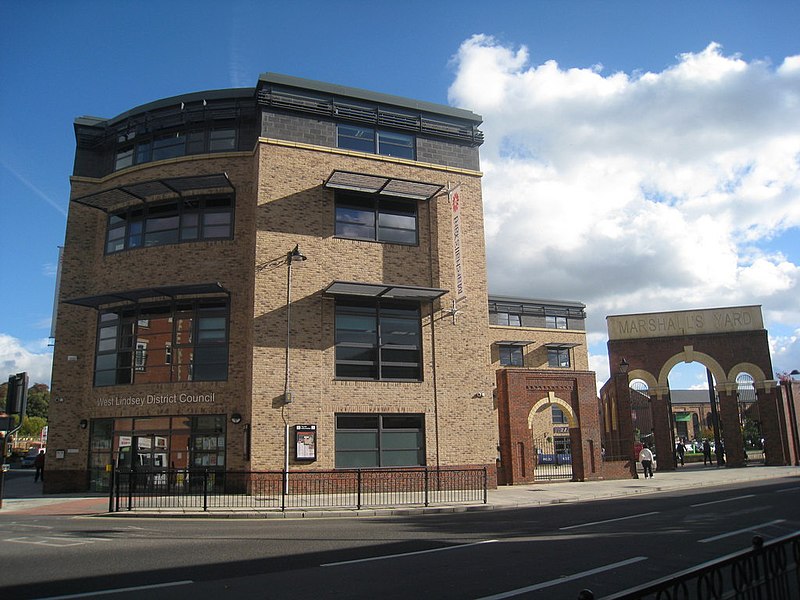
(454, 196)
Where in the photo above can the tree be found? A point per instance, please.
(32, 426)
(38, 401)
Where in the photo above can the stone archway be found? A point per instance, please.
(727, 341)
(551, 439)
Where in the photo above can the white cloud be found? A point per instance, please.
(36, 358)
(638, 192)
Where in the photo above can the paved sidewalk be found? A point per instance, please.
(23, 496)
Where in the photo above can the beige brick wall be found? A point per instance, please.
(535, 354)
(295, 208)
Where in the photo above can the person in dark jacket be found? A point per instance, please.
(38, 464)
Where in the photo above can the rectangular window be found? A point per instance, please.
(375, 218)
(558, 357)
(379, 440)
(377, 340)
(552, 322)
(509, 319)
(367, 139)
(182, 341)
(187, 220)
(558, 415)
(511, 356)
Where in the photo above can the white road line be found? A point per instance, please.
(719, 501)
(120, 590)
(360, 560)
(792, 489)
(52, 540)
(738, 531)
(560, 580)
(608, 521)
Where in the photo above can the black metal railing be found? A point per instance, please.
(208, 489)
(766, 571)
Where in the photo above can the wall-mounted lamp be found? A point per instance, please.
(236, 418)
(84, 423)
(624, 365)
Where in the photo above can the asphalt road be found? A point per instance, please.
(546, 552)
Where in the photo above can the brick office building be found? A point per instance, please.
(250, 267)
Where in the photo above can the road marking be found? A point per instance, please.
(565, 579)
(792, 489)
(608, 521)
(737, 532)
(719, 501)
(120, 590)
(360, 560)
(58, 542)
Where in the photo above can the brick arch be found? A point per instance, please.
(548, 401)
(690, 355)
(754, 371)
(645, 376)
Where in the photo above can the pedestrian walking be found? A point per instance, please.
(646, 458)
(38, 464)
(707, 452)
(680, 452)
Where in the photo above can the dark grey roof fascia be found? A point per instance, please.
(383, 290)
(535, 301)
(369, 96)
(231, 93)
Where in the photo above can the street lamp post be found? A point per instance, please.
(291, 257)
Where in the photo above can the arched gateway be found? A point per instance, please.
(728, 342)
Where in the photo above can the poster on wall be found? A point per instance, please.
(305, 442)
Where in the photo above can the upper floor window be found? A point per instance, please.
(553, 322)
(559, 418)
(187, 220)
(366, 139)
(558, 357)
(377, 218)
(509, 319)
(182, 341)
(377, 340)
(135, 150)
(511, 356)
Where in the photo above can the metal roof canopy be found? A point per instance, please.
(146, 191)
(562, 346)
(515, 342)
(171, 291)
(380, 184)
(379, 290)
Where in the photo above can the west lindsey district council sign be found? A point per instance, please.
(688, 322)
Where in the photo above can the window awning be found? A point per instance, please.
(171, 291)
(683, 416)
(146, 191)
(514, 342)
(381, 290)
(562, 346)
(380, 184)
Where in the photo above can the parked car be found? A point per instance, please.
(28, 460)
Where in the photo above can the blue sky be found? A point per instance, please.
(686, 184)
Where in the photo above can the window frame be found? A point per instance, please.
(375, 141)
(511, 352)
(123, 343)
(380, 210)
(556, 357)
(555, 322)
(379, 365)
(509, 319)
(382, 448)
(170, 222)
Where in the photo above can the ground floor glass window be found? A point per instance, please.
(152, 444)
(370, 440)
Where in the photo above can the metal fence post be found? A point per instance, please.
(358, 495)
(111, 490)
(427, 485)
(205, 490)
(485, 485)
(131, 485)
(284, 488)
